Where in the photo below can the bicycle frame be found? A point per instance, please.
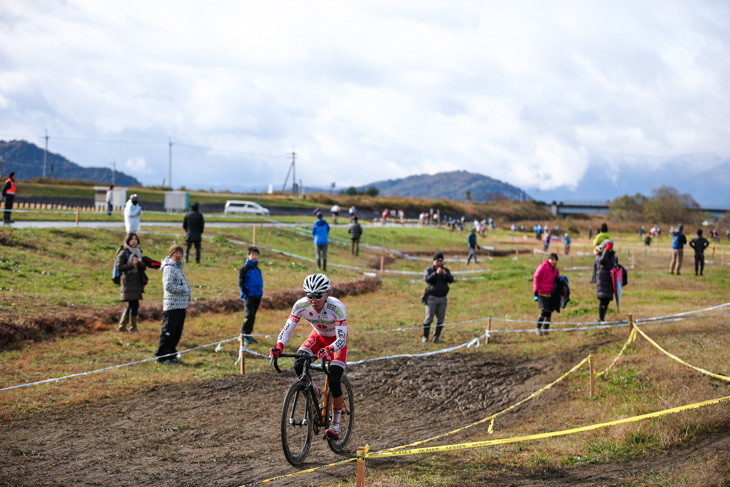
(320, 413)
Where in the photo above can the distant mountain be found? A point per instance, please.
(450, 185)
(704, 176)
(26, 160)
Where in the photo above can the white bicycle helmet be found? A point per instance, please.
(316, 284)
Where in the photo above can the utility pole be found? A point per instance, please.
(170, 163)
(45, 156)
(114, 172)
(295, 190)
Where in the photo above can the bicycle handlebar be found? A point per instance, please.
(275, 361)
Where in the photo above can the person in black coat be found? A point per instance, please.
(605, 261)
(194, 223)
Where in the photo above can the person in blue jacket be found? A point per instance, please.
(251, 285)
(320, 232)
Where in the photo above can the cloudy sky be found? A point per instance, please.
(527, 92)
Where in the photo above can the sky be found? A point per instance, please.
(526, 92)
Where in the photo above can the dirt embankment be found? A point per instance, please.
(14, 332)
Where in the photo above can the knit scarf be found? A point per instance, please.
(134, 252)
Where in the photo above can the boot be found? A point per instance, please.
(319, 263)
(133, 321)
(324, 265)
(123, 320)
(602, 313)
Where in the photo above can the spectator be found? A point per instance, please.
(194, 224)
(355, 231)
(9, 195)
(131, 280)
(567, 242)
(601, 237)
(590, 232)
(320, 232)
(110, 200)
(542, 284)
(605, 261)
(251, 285)
(386, 213)
(132, 211)
(678, 243)
(352, 212)
(546, 240)
(174, 308)
(699, 244)
(473, 246)
(335, 210)
(438, 278)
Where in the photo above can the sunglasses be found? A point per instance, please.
(315, 295)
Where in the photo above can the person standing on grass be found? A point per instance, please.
(566, 243)
(109, 200)
(601, 237)
(194, 225)
(678, 242)
(472, 244)
(320, 232)
(174, 308)
(9, 195)
(355, 231)
(605, 261)
(542, 284)
(438, 278)
(131, 271)
(335, 210)
(699, 244)
(251, 285)
(132, 212)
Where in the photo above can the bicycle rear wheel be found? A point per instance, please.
(346, 421)
(296, 424)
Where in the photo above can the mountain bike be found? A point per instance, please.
(302, 416)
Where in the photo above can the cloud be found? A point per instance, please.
(525, 93)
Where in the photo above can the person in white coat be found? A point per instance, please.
(132, 211)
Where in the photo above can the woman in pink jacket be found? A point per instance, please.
(543, 282)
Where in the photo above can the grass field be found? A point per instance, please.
(66, 273)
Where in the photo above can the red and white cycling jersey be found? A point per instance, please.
(331, 322)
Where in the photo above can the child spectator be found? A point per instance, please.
(251, 285)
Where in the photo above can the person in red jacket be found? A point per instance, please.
(9, 197)
(543, 282)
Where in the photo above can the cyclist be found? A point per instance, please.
(328, 317)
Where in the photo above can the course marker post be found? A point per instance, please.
(489, 328)
(77, 216)
(254, 235)
(631, 323)
(241, 355)
(593, 376)
(382, 261)
(361, 451)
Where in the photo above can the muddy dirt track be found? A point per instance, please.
(226, 432)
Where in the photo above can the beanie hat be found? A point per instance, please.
(174, 249)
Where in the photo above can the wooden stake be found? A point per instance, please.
(593, 377)
(382, 261)
(360, 482)
(631, 323)
(77, 216)
(242, 355)
(489, 328)
(254, 235)
(517, 254)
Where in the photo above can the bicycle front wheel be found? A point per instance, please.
(347, 419)
(296, 424)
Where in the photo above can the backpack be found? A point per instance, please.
(116, 275)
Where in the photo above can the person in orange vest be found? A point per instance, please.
(9, 195)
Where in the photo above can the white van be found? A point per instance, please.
(247, 207)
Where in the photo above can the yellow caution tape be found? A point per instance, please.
(494, 416)
(716, 376)
(479, 444)
(631, 339)
(301, 472)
